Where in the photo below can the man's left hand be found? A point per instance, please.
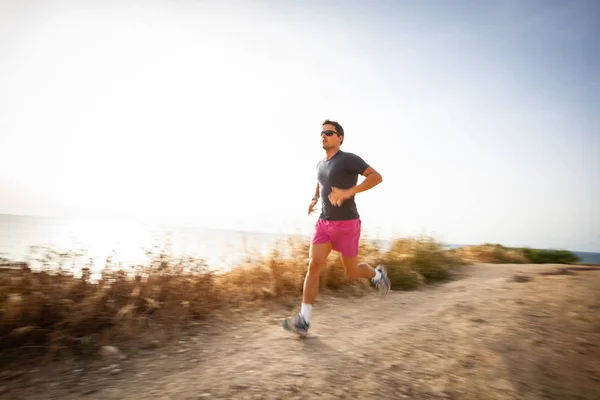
(338, 196)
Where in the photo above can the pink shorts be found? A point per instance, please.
(343, 235)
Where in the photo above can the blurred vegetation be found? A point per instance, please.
(59, 307)
(498, 254)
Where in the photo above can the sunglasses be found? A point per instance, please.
(329, 133)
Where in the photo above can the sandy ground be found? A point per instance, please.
(484, 335)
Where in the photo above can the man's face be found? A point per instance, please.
(333, 140)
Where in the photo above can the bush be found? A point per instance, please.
(493, 254)
(404, 278)
(416, 260)
(539, 256)
(498, 254)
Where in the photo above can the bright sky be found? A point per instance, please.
(483, 117)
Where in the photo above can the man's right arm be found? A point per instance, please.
(314, 201)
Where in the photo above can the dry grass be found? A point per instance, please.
(498, 254)
(493, 253)
(414, 261)
(54, 310)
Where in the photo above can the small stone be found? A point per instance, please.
(16, 374)
(437, 389)
(502, 384)
(297, 373)
(111, 352)
(116, 371)
(522, 278)
(582, 341)
(204, 395)
(395, 366)
(152, 345)
(478, 320)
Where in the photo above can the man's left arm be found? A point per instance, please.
(372, 179)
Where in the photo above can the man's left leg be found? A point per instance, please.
(348, 244)
(355, 270)
(377, 275)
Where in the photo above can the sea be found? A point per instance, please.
(126, 242)
(129, 242)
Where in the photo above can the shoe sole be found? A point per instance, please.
(383, 270)
(387, 290)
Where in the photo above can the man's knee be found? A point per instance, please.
(315, 267)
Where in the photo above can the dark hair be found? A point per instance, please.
(338, 127)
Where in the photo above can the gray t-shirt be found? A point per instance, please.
(339, 171)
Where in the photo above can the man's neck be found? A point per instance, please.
(331, 152)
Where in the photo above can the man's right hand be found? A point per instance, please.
(311, 207)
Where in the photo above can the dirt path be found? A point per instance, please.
(482, 336)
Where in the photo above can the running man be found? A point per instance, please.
(338, 226)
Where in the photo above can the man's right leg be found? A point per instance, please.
(318, 257)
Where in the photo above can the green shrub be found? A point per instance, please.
(404, 278)
(541, 256)
(414, 261)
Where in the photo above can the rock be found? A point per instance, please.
(437, 389)
(13, 374)
(583, 342)
(152, 345)
(522, 278)
(111, 352)
(502, 385)
(395, 366)
(116, 371)
(478, 320)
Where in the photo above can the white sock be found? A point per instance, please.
(377, 276)
(305, 310)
